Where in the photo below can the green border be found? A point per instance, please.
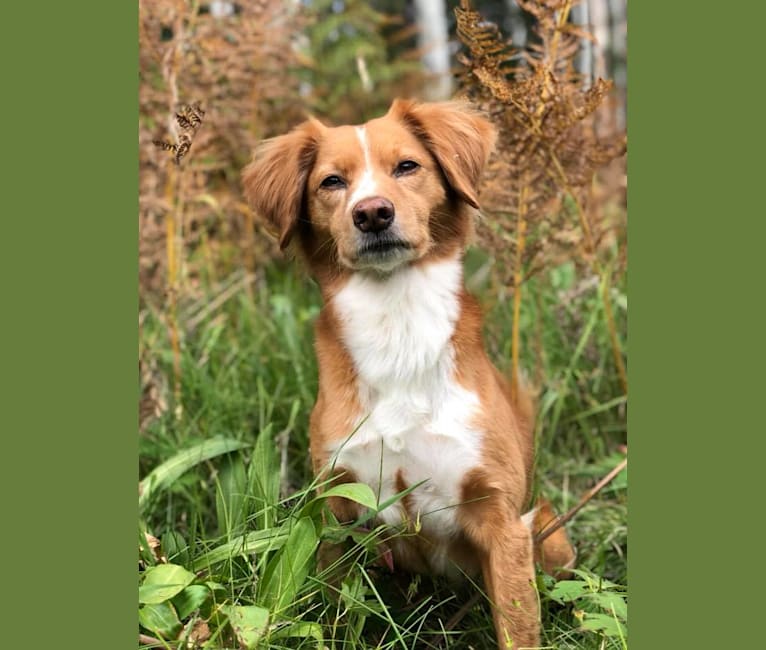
(696, 284)
(69, 277)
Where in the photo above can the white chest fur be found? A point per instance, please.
(417, 419)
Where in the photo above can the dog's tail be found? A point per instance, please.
(555, 554)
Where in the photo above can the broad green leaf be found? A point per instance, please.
(388, 502)
(160, 619)
(248, 622)
(288, 569)
(604, 623)
(300, 630)
(164, 475)
(358, 492)
(565, 591)
(190, 600)
(263, 478)
(175, 548)
(597, 583)
(611, 602)
(255, 542)
(230, 496)
(354, 596)
(162, 582)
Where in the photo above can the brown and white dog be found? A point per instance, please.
(382, 213)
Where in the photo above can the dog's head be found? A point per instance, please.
(375, 196)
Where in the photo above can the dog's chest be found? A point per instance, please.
(416, 425)
(412, 437)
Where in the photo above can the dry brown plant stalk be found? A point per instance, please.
(535, 194)
(217, 83)
(239, 68)
(553, 525)
(188, 120)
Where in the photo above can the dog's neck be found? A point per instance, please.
(397, 328)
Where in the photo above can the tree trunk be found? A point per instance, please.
(518, 24)
(431, 17)
(584, 59)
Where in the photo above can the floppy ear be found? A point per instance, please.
(275, 181)
(458, 137)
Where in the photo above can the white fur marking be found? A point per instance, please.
(367, 186)
(417, 418)
(528, 519)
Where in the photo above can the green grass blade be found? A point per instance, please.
(231, 501)
(256, 542)
(289, 568)
(172, 469)
(599, 408)
(263, 478)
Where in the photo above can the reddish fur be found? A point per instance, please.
(274, 181)
(451, 142)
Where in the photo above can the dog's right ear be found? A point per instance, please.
(275, 181)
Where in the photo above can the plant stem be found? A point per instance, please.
(145, 639)
(613, 339)
(521, 230)
(172, 284)
(558, 522)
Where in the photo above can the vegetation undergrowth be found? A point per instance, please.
(230, 508)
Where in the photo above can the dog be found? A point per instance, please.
(408, 398)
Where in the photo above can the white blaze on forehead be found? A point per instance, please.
(366, 186)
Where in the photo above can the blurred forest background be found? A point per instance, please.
(257, 67)
(225, 321)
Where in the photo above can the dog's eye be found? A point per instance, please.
(405, 167)
(333, 182)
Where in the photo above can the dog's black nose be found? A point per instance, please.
(374, 214)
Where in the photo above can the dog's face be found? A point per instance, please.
(375, 196)
(374, 189)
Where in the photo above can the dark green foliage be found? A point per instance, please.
(356, 66)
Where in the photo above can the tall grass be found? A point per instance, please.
(227, 487)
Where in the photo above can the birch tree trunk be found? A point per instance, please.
(518, 24)
(584, 59)
(431, 18)
(599, 19)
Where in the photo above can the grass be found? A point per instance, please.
(228, 491)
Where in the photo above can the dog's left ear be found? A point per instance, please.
(458, 137)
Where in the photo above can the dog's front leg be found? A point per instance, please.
(508, 571)
(504, 545)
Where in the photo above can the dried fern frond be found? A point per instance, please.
(537, 187)
(189, 120)
(547, 147)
